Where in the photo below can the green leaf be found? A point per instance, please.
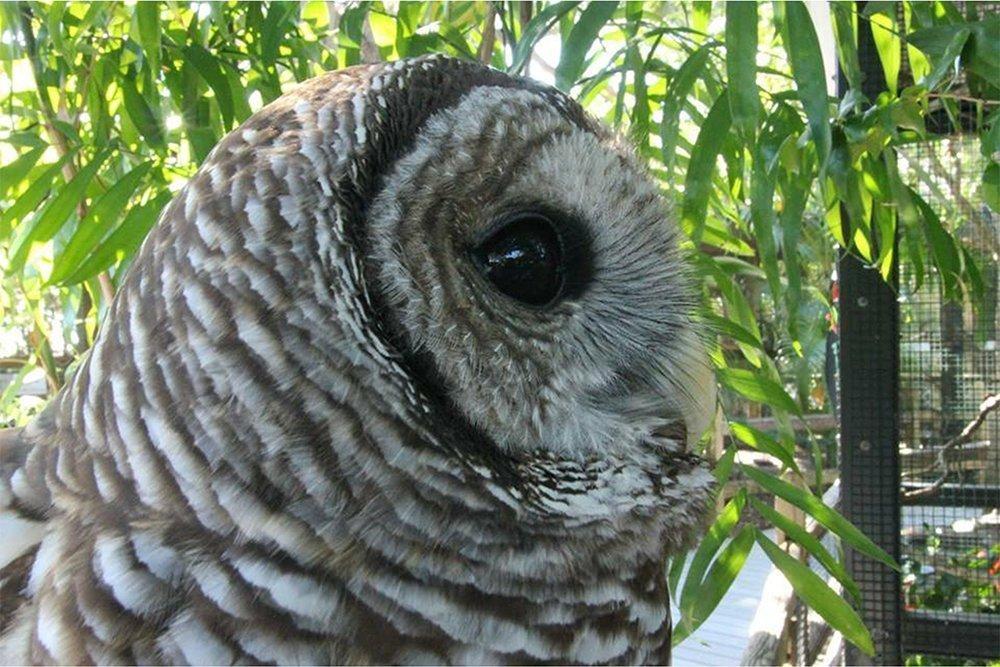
(762, 442)
(942, 245)
(55, 213)
(979, 54)
(794, 195)
(100, 219)
(806, 60)
(709, 546)
(535, 30)
(847, 43)
(12, 174)
(147, 16)
(757, 387)
(32, 197)
(674, 573)
(573, 57)
(140, 113)
(888, 45)
(702, 14)
(124, 241)
(947, 60)
(741, 66)
(763, 216)
(810, 544)
(276, 24)
(990, 189)
(678, 91)
(211, 71)
(10, 391)
(818, 596)
(640, 108)
(724, 466)
(729, 328)
(698, 182)
(717, 582)
(826, 515)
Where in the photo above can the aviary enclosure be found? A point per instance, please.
(835, 172)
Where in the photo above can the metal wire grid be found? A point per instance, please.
(948, 362)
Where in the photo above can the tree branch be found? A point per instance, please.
(989, 404)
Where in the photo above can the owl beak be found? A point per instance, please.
(698, 405)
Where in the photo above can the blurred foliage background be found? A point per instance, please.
(108, 108)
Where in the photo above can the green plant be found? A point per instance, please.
(107, 108)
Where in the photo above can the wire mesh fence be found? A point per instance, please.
(949, 361)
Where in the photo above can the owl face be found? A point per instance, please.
(532, 263)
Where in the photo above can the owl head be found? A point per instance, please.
(429, 241)
(528, 261)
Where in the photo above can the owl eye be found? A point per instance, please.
(524, 259)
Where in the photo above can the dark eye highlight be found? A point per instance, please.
(524, 259)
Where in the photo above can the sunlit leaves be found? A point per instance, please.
(573, 56)
(806, 61)
(698, 183)
(815, 593)
(741, 65)
(101, 217)
(815, 508)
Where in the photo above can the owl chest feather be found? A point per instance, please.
(413, 575)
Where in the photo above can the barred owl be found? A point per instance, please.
(407, 372)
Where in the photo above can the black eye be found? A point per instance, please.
(524, 259)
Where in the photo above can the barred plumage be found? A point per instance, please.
(310, 432)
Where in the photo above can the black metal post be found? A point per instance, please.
(869, 419)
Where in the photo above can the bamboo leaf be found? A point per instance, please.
(100, 219)
(710, 545)
(942, 245)
(806, 59)
(573, 57)
(717, 582)
(55, 213)
(887, 43)
(147, 16)
(826, 515)
(698, 182)
(535, 30)
(810, 544)
(12, 174)
(741, 66)
(762, 213)
(990, 189)
(123, 241)
(14, 386)
(276, 24)
(757, 387)
(211, 71)
(762, 442)
(32, 197)
(947, 60)
(678, 91)
(674, 573)
(729, 328)
(640, 108)
(140, 113)
(847, 44)
(818, 596)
